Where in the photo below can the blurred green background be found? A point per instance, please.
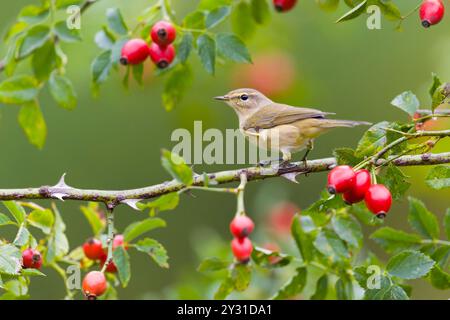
(302, 58)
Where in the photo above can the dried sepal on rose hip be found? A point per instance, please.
(94, 284)
(31, 258)
(378, 200)
(134, 51)
(431, 12)
(241, 226)
(242, 249)
(360, 187)
(163, 33)
(341, 179)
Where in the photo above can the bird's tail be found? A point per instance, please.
(334, 123)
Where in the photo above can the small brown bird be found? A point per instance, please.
(296, 128)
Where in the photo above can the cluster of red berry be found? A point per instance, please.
(357, 186)
(161, 50)
(94, 283)
(431, 12)
(284, 5)
(241, 227)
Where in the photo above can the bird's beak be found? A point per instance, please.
(222, 98)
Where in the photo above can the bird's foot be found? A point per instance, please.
(285, 164)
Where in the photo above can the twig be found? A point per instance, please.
(115, 197)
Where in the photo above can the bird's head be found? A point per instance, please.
(244, 101)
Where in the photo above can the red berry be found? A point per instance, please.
(163, 33)
(162, 56)
(31, 258)
(242, 249)
(378, 200)
(362, 184)
(94, 284)
(111, 267)
(341, 179)
(241, 226)
(135, 51)
(431, 12)
(284, 5)
(93, 249)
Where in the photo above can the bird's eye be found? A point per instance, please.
(244, 97)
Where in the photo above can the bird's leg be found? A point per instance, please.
(286, 159)
(265, 163)
(309, 147)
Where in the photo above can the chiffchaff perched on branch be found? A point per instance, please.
(295, 127)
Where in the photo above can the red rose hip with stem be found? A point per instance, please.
(378, 200)
(241, 226)
(94, 284)
(431, 12)
(134, 51)
(341, 179)
(242, 249)
(162, 56)
(93, 249)
(284, 5)
(163, 33)
(31, 258)
(362, 184)
(111, 267)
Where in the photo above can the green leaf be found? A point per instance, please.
(58, 245)
(435, 84)
(260, 11)
(32, 273)
(447, 223)
(396, 181)
(328, 5)
(101, 66)
(225, 288)
(344, 289)
(303, 240)
(395, 293)
(422, 220)
(17, 211)
(231, 47)
(346, 156)
(155, 250)
(393, 240)
(138, 228)
(216, 16)
(33, 123)
(122, 262)
(270, 259)
(321, 288)
(10, 259)
(195, 20)
(185, 47)
(18, 90)
(241, 23)
(92, 214)
(115, 21)
(22, 236)
(353, 13)
(66, 34)
(213, 264)
(407, 101)
(293, 287)
(5, 220)
(42, 219)
(35, 38)
(33, 14)
(436, 92)
(441, 256)
(207, 52)
(104, 39)
(348, 229)
(176, 166)
(176, 85)
(62, 91)
(363, 214)
(331, 246)
(439, 278)
(213, 4)
(138, 72)
(163, 203)
(409, 264)
(44, 61)
(439, 177)
(389, 10)
(241, 276)
(373, 140)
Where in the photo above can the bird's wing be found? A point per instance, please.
(276, 114)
